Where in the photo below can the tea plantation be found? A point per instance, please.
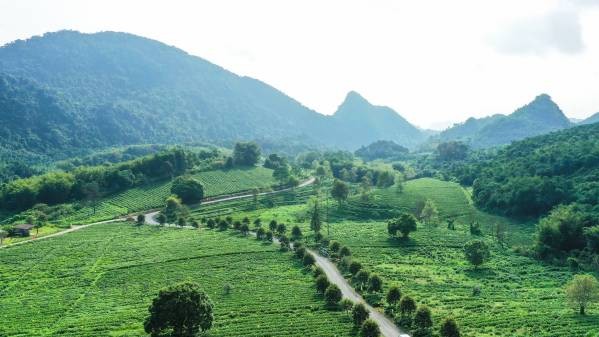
(99, 281)
(519, 296)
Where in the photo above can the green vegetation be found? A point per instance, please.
(382, 149)
(539, 117)
(495, 299)
(101, 280)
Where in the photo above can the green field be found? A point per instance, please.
(519, 295)
(152, 195)
(100, 281)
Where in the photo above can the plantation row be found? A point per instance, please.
(100, 281)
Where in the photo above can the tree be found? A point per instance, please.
(477, 252)
(429, 214)
(332, 295)
(246, 154)
(300, 252)
(91, 192)
(268, 236)
(141, 219)
(282, 174)
(407, 305)
(3, 234)
(322, 283)
(344, 251)
(281, 229)
(315, 221)
(339, 191)
(244, 229)
(272, 225)
(40, 222)
(223, 225)
(347, 305)
(181, 222)
(257, 222)
(355, 267)
(195, 224)
(452, 150)
(582, 291)
(375, 283)
(362, 278)
(211, 223)
(449, 328)
(308, 259)
(334, 246)
(393, 296)
(174, 209)
(359, 314)
(189, 189)
(296, 233)
(500, 233)
(184, 309)
(423, 321)
(161, 218)
(260, 233)
(370, 329)
(405, 224)
(385, 179)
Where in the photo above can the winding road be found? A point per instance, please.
(386, 325)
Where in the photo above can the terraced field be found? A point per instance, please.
(519, 295)
(99, 281)
(153, 195)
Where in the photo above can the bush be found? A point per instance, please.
(332, 295)
(477, 252)
(359, 314)
(300, 252)
(308, 259)
(355, 267)
(190, 190)
(449, 328)
(370, 329)
(322, 283)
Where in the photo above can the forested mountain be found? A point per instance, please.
(593, 119)
(357, 122)
(67, 91)
(530, 177)
(539, 117)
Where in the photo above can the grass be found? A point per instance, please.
(99, 281)
(519, 296)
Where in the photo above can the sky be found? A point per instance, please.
(436, 62)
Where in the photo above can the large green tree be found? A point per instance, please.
(183, 309)
(246, 154)
(189, 189)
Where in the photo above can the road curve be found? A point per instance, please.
(150, 217)
(387, 327)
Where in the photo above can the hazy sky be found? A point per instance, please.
(432, 61)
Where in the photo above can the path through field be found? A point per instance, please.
(387, 327)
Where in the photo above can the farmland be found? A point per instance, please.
(152, 195)
(519, 296)
(100, 281)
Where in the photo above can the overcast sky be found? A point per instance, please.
(435, 62)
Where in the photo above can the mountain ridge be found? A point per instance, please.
(131, 89)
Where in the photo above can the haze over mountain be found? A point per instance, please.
(591, 120)
(538, 117)
(67, 90)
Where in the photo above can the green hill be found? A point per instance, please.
(531, 176)
(539, 117)
(65, 92)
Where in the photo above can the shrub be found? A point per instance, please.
(322, 283)
(355, 267)
(375, 283)
(332, 295)
(308, 259)
(359, 314)
(370, 329)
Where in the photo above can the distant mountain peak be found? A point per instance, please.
(354, 98)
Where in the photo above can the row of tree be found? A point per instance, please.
(90, 183)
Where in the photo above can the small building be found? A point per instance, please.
(22, 229)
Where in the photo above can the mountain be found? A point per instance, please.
(67, 91)
(357, 122)
(591, 120)
(538, 117)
